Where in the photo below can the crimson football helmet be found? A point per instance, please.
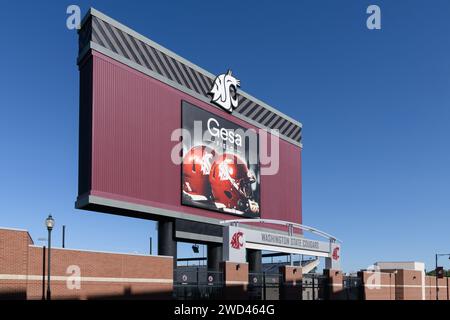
(196, 168)
(231, 182)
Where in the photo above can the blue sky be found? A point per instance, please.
(375, 108)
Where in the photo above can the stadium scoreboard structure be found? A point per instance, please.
(135, 96)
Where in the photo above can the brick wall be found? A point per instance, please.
(78, 274)
(123, 276)
(412, 285)
(442, 288)
(430, 290)
(13, 261)
(408, 285)
(378, 285)
(392, 285)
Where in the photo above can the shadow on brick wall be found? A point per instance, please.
(126, 295)
(129, 295)
(13, 295)
(236, 292)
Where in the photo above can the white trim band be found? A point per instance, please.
(401, 286)
(25, 277)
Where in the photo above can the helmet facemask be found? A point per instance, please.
(245, 186)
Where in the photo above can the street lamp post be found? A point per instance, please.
(436, 271)
(49, 223)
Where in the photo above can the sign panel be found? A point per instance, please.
(334, 260)
(234, 240)
(238, 239)
(279, 241)
(220, 169)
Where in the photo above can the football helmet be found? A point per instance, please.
(196, 168)
(231, 182)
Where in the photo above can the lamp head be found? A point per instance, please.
(49, 222)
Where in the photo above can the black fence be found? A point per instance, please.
(197, 283)
(352, 288)
(313, 286)
(264, 286)
(192, 283)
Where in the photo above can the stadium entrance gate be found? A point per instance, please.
(239, 240)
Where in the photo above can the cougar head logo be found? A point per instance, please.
(335, 254)
(221, 91)
(236, 240)
(206, 163)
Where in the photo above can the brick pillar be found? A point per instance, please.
(334, 289)
(235, 277)
(291, 283)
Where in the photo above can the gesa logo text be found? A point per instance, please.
(225, 134)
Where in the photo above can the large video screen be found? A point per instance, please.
(220, 168)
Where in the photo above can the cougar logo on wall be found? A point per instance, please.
(223, 91)
(335, 254)
(236, 241)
